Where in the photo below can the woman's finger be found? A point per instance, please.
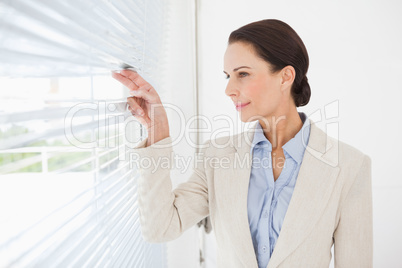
(135, 107)
(135, 77)
(143, 92)
(125, 81)
(140, 119)
(144, 120)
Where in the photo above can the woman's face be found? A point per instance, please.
(253, 89)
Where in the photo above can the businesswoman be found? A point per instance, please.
(314, 192)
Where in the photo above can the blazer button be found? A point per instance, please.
(264, 249)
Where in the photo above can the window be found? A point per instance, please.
(67, 190)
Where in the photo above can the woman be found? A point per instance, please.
(321, 185)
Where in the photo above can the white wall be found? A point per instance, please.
(179, 83)
(355, 61)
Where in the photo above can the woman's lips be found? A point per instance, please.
(241, 106)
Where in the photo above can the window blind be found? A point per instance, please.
(67, 191)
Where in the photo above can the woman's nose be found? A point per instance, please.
(231, 90)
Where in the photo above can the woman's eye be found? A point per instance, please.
(227, 77)
(242, 74)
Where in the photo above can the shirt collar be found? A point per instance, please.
(295, 147)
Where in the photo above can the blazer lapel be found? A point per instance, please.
(314, 185)
(237, 200)
(234, 198)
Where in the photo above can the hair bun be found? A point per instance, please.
(303, 93)
(303, 82)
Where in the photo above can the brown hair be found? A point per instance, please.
(278, 44)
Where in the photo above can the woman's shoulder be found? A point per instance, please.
(349, 154)
(342, 153)
(351, 162)
(222, 145)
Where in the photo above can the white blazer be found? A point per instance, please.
(331, 202)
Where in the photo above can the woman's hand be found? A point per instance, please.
(145, 105)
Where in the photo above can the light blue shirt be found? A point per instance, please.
(268, 200)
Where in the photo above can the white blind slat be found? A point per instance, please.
(61, 219)
(64, 143)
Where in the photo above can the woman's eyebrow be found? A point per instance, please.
(238, 68)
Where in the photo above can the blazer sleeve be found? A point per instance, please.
(353, 237)
(166, 214)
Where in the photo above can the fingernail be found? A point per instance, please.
(116, 71)
(140, 112)
(131, 69)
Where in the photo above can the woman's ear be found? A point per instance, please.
(287, 77)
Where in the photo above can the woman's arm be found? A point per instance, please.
(166, 214)
(353, 237)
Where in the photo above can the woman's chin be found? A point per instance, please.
(245, 118)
